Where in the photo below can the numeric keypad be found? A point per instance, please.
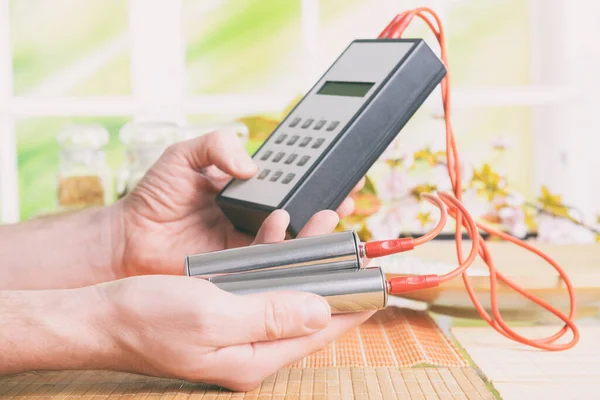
(290, 149)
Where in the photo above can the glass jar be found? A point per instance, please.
(144, 143)
(84, 177)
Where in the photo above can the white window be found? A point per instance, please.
(522, 69)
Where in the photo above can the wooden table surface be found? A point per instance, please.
(520, 372)
(581, 262)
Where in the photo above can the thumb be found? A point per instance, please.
(221, 149)
(273, 315)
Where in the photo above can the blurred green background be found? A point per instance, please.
(253, 46)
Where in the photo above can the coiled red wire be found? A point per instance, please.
(450, 204)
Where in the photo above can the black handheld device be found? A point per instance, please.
(333, 136)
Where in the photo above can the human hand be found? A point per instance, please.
(187, 328)
(172, 212)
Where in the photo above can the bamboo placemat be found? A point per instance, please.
(371, 362)
(521, 372)
(393, 337)
(288, 383)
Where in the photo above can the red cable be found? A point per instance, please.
(451, 204)
(386, 247)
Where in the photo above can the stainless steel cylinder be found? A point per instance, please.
(308, 269)
(346, 291)
(310, 255)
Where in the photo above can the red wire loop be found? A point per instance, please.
(452, 205)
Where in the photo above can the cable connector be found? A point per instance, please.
(386, 247)
(405, 284)
(398, 25)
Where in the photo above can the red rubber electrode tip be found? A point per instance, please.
(405, 284)
(386, 247)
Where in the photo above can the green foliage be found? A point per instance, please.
(484, 34)
(242, 44)
(112, 78)
(50, 35)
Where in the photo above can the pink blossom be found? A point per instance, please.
(385, 224)
(393, 183)
(513, 220)
(475, 204)
(562, 231)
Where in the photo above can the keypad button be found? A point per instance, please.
(307, 123)
(291, 158)
(303, 161)
(293, 140)
(266, 155)
(319, 124)
(295, 122)
(263, 174)
(276, 176)
(318, 143)
(280, 139)
(278, 157)
(333, 125)
(305, 141)
(288, 178)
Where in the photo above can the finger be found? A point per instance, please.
(268, 316)
(358, 186)
(217, 179)
(268, 357)
(346, 208)
(221, 149)
(274, 228)
(293, 349)
(214, 173)
(321, 223)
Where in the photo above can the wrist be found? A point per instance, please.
(59, 329)
(105, 243)
(114, 224)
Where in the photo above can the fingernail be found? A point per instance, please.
(244, 164)
(316, 313)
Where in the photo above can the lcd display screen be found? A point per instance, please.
(352, 89)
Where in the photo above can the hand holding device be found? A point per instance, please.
(188, 329)
(172, 211)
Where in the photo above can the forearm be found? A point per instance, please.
(59, 329)
(63, 251)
